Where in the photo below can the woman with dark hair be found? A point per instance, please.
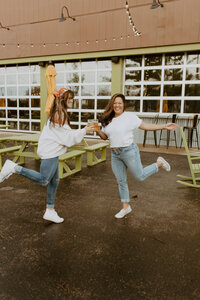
(56, 136)
(118, 126)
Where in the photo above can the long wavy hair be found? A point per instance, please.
(109, 113)
(58, 113)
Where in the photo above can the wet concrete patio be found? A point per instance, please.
(153, 253)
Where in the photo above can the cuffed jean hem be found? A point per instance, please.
(125, 200)
(50, 206)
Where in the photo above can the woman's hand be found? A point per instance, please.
(171, 126)
(89, 129)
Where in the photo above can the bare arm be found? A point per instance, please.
(152, 127)
(102, 134)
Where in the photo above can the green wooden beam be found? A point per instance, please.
(43, 96)
(117, 77)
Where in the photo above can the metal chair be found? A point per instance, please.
(155, 121)
(190, 130)
(167, 138)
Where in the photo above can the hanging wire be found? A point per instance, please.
(135, 31)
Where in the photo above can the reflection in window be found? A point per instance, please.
(72, 77)
(2, 102)
(132, 90)
(35, 91)
(35, 126)
(35, 78)
(2, 113)
(192, 90)
(132, 75)
(191, 106)
(23, 102)
(23, 91)
(2, 91)
(11, 91)
(104, 76)
(151, 105)
(11, 70)
(23, 79)
(135, 61)
(35, 114)
(35, 102)
(24, 114)
(2, 80)
(72, 66)
(87, 104)
(88, 77)
(12, 124)
(73, 116)
(103, 90)
(60, 78)
(133, 105)
(152, 75)
(88, 65)
(173, 74)
(11, 79)
(153, 60)
(151, 90)
(24, 126)
(174, 59)
(12, 102)
(86, 115)
(101, 103)
(87, 90)
(193, 74)
(171, 106)
(75, 89)
(193, 58)
(12, 114)
(104, 64)
(172, 90)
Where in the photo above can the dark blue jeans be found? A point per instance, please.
(48, 176)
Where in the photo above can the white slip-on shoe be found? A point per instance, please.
(166, 165)
(123, 212)
(51, 215)
(7, 170)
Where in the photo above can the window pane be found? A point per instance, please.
(73, 116)
(23, 91)
(87, 90)
(35, 114)
(2, 113)
(88, 65)
(152, 75)
(35, 126)
(133, 105)
(104, 90)
(75, 89)
(193, 58)
(23, 79)
(151, 90)
(11, 91)
(2, 91)
(24, 102)
(171, 106)
(172, 90)
(104, 64)
(192, 90)
(88, 77)
(24, 125)
(101, 103)
(132, 75)
(12, 114)
(35, 78)
(191, 106)
(12, 102)
(132, 90)
(35, 102)
(23, 69)
(153, 60)
(35, 91)
(12, 124)
(11, 79)
(135, 61)
(24, 114)
(60, 78)
(72, 77)
(104, 76)
(60, 67)
(86, 115)
(73, 66)
(11, 70)
(87, 104)
(173, 74)
(174, 59)
(2, 80)
(193, 74)
(151, 105)
(2, 102)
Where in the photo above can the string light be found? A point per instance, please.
(44, 45)
(135, 31)
(18, 45)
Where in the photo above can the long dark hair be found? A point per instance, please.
(109, 113)
(58, 113)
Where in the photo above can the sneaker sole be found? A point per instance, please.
(124, 215)
(58, 222)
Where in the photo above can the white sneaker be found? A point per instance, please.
(166, 165)
(123, 212)
(7, 170)
(51, 215)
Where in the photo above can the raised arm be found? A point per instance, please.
(152, 127)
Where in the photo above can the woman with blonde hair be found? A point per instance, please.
(118, 127)
(56, 136)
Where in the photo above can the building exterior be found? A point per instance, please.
(98, 54)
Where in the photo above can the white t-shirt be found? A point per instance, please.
(120, 129)
(54, 140)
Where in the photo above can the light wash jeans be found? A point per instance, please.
(129, 157)
(48, 175)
